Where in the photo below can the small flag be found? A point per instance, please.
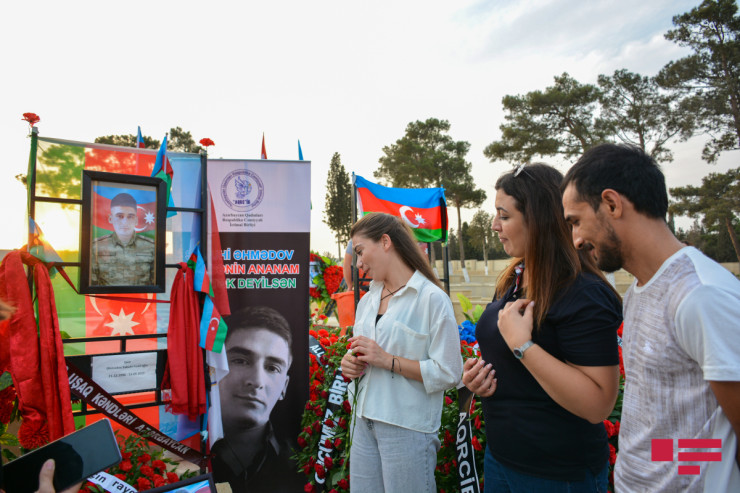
(38, 246)
(423, 209)
(201, 281)
(163, 169)
(139, 139)
(264, 151)
(300, 151)
(212, 328)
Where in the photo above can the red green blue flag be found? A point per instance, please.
(423, 209)
(264, 151)
(163, 170)
(139, 138)
(201, 281)
(38, 246)
(212, 328)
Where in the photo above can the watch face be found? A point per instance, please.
(518, 353)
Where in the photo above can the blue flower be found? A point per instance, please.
(467, 331)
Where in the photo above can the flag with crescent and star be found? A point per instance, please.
(423, 209)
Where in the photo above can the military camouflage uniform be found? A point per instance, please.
(114, 263)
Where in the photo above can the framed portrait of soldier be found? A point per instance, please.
(123, 233)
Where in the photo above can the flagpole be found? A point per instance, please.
(31, 181)
(355, 274)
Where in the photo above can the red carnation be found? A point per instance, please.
(317, 426)
(125, 455)
(448, 400)
(477, 422)
(612, 454)
(7, 400)
(347, 407)
(343, 483)
(33, 434)
(158, 481)
(609, 428)
(323, 317)
(324, 394)
(343, 423)
(320, 473)
(206, 142)
(318, 411)
(329, 423)
(143, 484)
(309, 488)
(32, 119)
(327, 443)
(172, 477)
(476, 444)
(302, 442)
(144, 458)
(158, 464)
(126, 465)
(120, 476)
(328, 462)
(333, 491)
(307, 430)
(337, 443)
(314, 293)
(147, 471)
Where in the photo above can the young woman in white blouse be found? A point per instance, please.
(406, 349)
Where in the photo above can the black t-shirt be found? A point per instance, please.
(525, 429)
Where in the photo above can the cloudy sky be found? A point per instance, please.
(340, 76)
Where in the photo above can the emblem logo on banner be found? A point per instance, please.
(242, 190)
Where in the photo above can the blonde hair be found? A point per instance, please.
(376, 224)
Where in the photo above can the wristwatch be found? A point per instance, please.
(519, 351)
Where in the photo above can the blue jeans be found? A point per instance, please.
(388, 458)
(503, 479)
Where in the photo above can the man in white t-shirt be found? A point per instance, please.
(681, 343)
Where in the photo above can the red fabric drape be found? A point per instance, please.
(184, 371)
(35, 356)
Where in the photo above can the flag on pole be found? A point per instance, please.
(212, 328)
(423, 209)
(300, 151)
(38, 246)
(163, 169)
(139, 139)
(264, 151)
(201, 280)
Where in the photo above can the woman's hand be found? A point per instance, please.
(46, 479)
(479, 377)
(351, 366)
(515, 322)
(369, 352)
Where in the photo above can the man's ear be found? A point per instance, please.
(612, 203)
(110, 218)
(285, 388)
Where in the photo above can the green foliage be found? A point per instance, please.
(717, 201)
(470, 313)
(128, 140)
(338, 211)
(710, 76)
(637, 112)
(557, 121)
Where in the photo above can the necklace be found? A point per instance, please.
(391, 293)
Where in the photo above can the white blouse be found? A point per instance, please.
(419, 324)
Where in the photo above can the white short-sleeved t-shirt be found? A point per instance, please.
(681, 330)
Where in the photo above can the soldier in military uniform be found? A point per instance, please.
(122, 258)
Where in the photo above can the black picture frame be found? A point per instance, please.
(182, 485)
(104, 259)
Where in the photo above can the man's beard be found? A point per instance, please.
(609, 254)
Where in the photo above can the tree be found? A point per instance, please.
(637, 112)
(178, 141)
(717, 200)
(558, 120)
(338, 211)
(426, 156)
(481, 233)
(128, 141)
(710, 76)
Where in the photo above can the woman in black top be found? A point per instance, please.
(549, 368)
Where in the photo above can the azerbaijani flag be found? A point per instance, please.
(146, 209)
(423, 209)
(139, 138)
(264, 151)
(163, 169)
(300, 151)
(38, 246)
(212, 328)
(201, 281)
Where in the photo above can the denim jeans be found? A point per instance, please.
(499, 478)
(388, 458)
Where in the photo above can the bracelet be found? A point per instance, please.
(393, 366)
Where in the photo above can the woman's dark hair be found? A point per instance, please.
(376, 224)
(552, 262)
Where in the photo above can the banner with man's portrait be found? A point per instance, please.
(262, 211)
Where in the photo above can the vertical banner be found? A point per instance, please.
(262, 210)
